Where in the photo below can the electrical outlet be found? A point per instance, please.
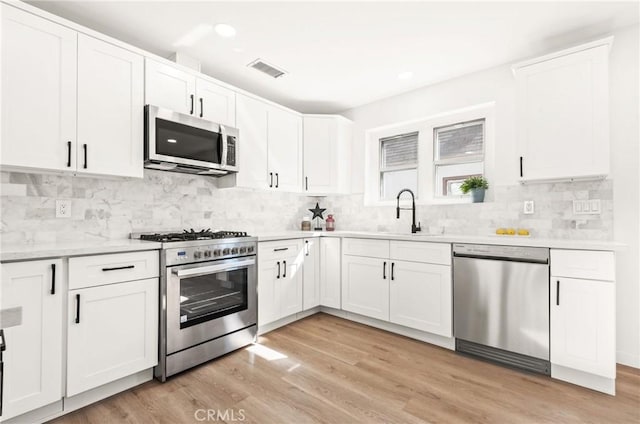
(528, 207)
(63, 208)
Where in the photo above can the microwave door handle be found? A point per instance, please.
(210, 269)
(223, 134)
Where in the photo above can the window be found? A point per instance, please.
(398, 164)
(431, 156)
(458, 154)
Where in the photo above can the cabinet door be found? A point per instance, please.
(365, 286)
(311, 274)
(420, 297)
(563, 113)
(320, 155)
(330, 272)
(583, 325)
(289, 287)
(38, 92)
(216, 103)
(112, 333)
(170, 87)
(31, 313)
(268, 302)
(252, 148)
(285, 149)
(110, 109)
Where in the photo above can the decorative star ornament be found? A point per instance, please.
(317, 211)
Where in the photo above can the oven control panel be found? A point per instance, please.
(203, 253)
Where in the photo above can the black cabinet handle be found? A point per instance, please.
(384, 271)
(192, 98)
(53, 278)
(281, 249)
(558, 293)
(68, 154)
(284, 267)
(393, 264)
(277, 180)
(2, 349)
(270, 179)
(278, 276)
(119, 267)
(77, 309)
(306, 244)
(84, 146)
(520, 166)
(201, 107)
(306, 183)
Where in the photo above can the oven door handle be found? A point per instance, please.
(210, 269)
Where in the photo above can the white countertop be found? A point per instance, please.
(504, 240)
(26, 251)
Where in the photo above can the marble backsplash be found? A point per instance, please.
(106, 208)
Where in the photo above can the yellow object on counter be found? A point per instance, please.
(511, 231)
(501, 231)
(523, 232)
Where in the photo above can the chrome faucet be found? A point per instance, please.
(414, 228)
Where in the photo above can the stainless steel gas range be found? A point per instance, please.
(208, 296)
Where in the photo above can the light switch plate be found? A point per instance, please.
(63, 208)
(528, 207)
(586, 207)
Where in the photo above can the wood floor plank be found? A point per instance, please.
(325, 369)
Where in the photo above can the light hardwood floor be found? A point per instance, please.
(328, 370)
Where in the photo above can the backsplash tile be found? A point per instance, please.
(104, 208)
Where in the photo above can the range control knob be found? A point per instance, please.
(216, 252)
(234, 251)
(197, 255)
(243, 250)
(250, 249)
(207, 253)
(226, 251)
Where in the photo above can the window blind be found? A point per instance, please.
(460, 140)
(399, 150)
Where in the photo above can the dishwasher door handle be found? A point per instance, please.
(557, 292)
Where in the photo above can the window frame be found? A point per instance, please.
(381, 170)
(426, 191)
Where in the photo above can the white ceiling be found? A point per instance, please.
(344, 54)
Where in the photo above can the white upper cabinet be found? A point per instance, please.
(169, 87)
(38, 92)
(252, 149)
(285, 149)
(31, 305)
(110, 109)
(563, 114)
(327, 152)
(216, 103)
(181, 91)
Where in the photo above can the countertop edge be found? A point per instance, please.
(29, 252)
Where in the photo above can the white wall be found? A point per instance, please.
(498, 85)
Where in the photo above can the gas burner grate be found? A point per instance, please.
(188, 235)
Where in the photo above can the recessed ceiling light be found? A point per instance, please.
(405, 75)
(225, 30)
(194, 35)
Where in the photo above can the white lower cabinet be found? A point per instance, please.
(31, 311)
(279, 280)
(311, 274)
(420, 297)
(112, 333)
(582, 318)
(330, 272)
(365, 286)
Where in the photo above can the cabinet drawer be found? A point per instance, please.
(366, 247)
(91, 271)
(587, 264)
(416, 251)
(281, 249)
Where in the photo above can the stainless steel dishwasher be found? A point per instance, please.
(501, 304)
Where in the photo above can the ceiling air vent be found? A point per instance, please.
(265, 68)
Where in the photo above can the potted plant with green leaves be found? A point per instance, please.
(476, 185)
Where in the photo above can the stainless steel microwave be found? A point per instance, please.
(183, 143)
